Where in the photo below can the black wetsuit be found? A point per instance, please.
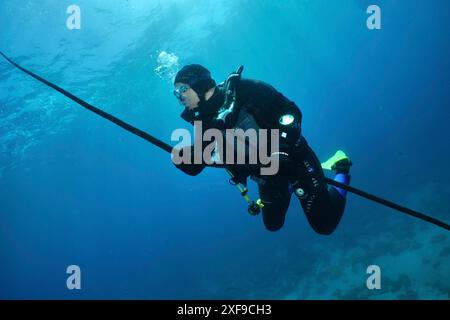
(323, 205)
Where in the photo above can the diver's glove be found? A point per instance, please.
(191, 168)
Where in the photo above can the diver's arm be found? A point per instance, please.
(286, 116)
(190, 168)
(288, 120)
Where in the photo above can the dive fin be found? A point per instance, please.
(339, 155)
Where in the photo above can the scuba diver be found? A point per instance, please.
(260, 106)
(246, 104)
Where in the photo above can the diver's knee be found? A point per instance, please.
(325, 231)
(274, 226)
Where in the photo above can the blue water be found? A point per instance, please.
(77, 190)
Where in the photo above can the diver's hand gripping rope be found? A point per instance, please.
(168, 148)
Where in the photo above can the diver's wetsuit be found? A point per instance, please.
(322, 205)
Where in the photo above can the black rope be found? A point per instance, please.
(168, 149)
(389, 204)
(101, 113)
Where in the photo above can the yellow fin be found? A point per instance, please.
(339, 155)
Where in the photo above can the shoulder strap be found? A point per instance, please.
(226, 112)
